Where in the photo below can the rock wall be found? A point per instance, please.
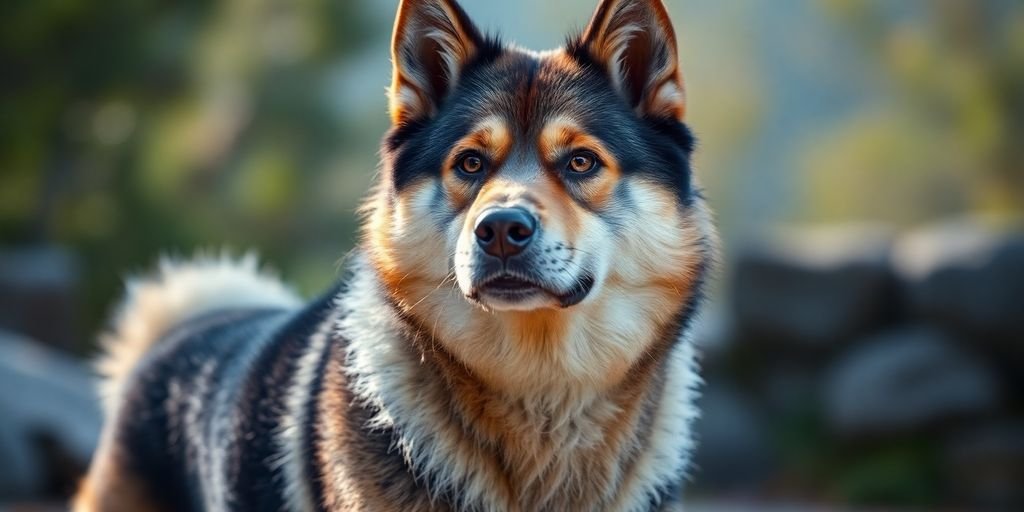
(853, 365)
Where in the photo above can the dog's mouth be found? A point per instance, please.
(510, 288)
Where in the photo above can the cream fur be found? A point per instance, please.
(386, 379)
(177, 291)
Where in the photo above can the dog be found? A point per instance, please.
(512, 333)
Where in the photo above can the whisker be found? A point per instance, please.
(581, 251)
(450, 276)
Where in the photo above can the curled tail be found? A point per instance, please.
(177, 291)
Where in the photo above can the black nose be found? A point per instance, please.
(505, 232)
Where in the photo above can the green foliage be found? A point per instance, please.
(943, 134)
(133, 127)
(900, 474)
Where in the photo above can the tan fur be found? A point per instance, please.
(109, 487)
(543, 468)
(655, 273)
(566, 449)
(404, 254)
(110, 493)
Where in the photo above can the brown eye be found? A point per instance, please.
(471, 164)
(582, 162)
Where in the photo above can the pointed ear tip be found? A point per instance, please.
(404, 6)
(417, 3)
(612, 8)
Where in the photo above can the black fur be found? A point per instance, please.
(247, 359)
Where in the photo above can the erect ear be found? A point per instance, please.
(432, 42)
(635, 42)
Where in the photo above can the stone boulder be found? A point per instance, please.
(814, 287)
(733, 448)
(905, 380)
(968, 277)
(51, 420)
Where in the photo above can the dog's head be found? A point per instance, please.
(540, 198)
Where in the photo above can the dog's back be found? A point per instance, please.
(197, 378)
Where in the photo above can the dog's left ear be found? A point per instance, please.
(635, 42)
(432, 42)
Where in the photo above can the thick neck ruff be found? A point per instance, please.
(620, 449)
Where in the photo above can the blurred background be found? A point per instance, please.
(864, 347)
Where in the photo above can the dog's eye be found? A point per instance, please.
(582, 162)
(471, 163)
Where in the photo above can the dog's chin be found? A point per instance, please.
(507, 293)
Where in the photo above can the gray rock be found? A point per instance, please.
(904, 380)
(788, 387)
(733, 451)
(968, 277)
(813, 287)
(51, 419)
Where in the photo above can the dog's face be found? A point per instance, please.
(537, 185)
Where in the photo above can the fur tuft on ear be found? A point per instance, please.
(635, 42)
(433, 40)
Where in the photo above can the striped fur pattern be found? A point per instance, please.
(177, 291)
(444, 373)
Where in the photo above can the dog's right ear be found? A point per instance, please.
(432, 42)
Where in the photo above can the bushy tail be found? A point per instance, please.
(177, 291)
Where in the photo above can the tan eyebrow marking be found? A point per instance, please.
(563, 134)
(490, 136)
